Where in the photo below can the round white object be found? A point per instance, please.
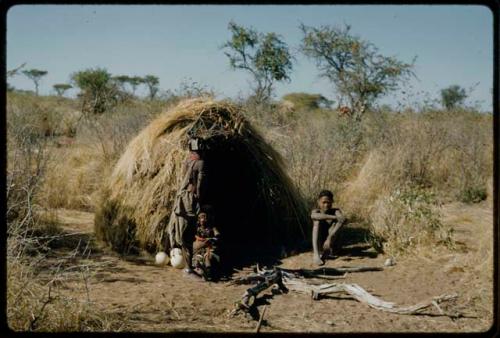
(176, 258)
(389, 262)
(161, 258)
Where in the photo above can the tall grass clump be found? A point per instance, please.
(97, 144)
(321, 149)
(447, 154)
(33, 304)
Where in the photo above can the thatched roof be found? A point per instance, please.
(255, 200)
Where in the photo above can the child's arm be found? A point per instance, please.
(317, 259)
(216, 232)
(317, 215)
(333, 229)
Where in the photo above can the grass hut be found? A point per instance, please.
(257, 208)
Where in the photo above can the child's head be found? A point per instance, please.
(325, 200)
(204, 214)
(202, 218)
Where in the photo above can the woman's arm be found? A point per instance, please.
(200, 166)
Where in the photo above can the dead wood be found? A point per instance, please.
(257, 329)
(340, 271)
(288, 279)
(264, 281)
(365, 297)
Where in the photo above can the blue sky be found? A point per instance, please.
(453, 44)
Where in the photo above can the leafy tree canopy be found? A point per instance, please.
(359, 72)
(453, 96)
(265, 56)
(60, 88)
(35, 75)
(98, 91)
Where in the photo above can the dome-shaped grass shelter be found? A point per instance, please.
(257, 207)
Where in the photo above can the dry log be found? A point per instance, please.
(287, 279)
(365, 297)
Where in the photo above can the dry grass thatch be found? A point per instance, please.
(255, 202)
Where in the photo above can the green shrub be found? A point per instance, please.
(408, 218)
(473, 195)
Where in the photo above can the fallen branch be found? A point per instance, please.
(287, 279)
(365, 297)
(267, 280)
(340, 271)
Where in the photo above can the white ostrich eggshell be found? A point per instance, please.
(161, 258)
(176, 258)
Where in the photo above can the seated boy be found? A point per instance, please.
(326, 222)
(205, 255)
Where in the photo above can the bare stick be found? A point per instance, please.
(260, 319)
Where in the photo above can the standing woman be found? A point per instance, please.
(182, 224)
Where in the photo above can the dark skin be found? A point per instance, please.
(203, 220)
(335, 221)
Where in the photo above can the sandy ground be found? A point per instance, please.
(152, 298)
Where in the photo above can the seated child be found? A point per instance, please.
(326, 222)
(205, 255)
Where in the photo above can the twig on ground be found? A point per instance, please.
(257, 329)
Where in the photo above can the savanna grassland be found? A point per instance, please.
(415, 185)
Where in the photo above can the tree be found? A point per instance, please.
(60, 88)
(121, 80)
(12, 73)
(135, 81)
(453, 96)
(265, 56)
(98, 91)
(35, 75)
(152, 83)
(360, 74)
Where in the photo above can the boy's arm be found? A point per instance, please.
(334, 228)
(315, 242)
(317, 215)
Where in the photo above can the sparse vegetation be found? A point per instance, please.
(391, 173)
(35, 299)
(401, 176)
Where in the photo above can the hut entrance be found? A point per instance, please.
(232, 188)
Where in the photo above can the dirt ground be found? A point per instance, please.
(162, 299)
